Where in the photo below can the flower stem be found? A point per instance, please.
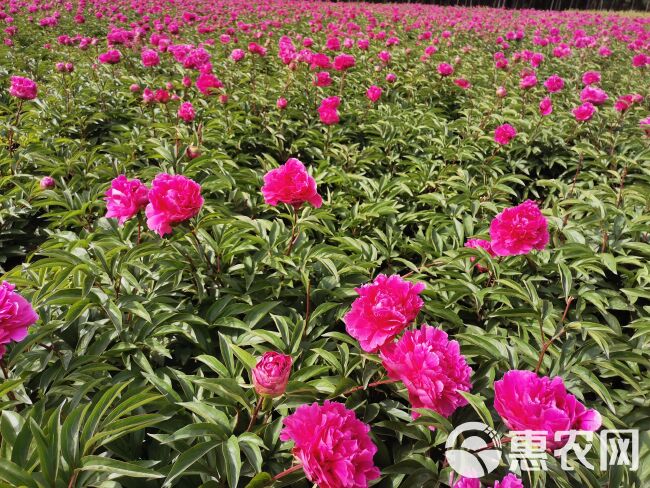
(370, 385)
(294, 229)
(254, 415)
(286, 472)
(548, 343)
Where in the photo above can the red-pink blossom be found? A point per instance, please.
(584, 112)
(526, 401)
(23, 88)
(172, 199)
(16, 316)
(519, 230)
(431, 367)
(290, 184)
(271, 374)
(125, 198)
(504, 134)
(332, 444)
(383, 309)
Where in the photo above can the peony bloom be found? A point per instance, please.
(23, 88)
(528, 81)
(125, 198)
(519, 230)
(640, 60)
(591, 78)
(290, 184)
(584, 112)
(186, 112)
(501, 92)
(281, 103)
(509, 481)
(47, 182)
(431, 367)
(208, 84)
(134, 88)
(322, 78)
(271, 374)
(594, 95)
(645, 125)
(149, 58)
(162, 96)
(504, 134)
(172, 199)
(445, 69)
(545, 106)
(332, 444)
(16, 316)
(554, 84)
(237, 55)
(343, 62)
(526, 401)
(467, 483)
(374, 93)
(384, 309)
(463, 83)
(112, 56)
(327, 110)
(391, 78)
(483, 244)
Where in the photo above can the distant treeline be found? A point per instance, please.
(642, 5)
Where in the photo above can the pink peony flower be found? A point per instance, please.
(112, 56)
(640, 60)
(384, 309)
(186, 112)
(208, 84)
(23, 88)
(526, 401)
(237, 55)
(504, 134)
(332, 444)
(47, 182)
(322, 78)
(467, 483)
(591, 78)
(545, 106)
(501, 92)
(431, 367)
(125, 198)
(528, 81)
(16, 316)
(290, 184)
(593, 95)
(172, 199)
(445, 69)
(374, 93)
(463, 83)
(281, 103)
(509, 481)
(343, 62)
(483, 244)
(149, 58)
(584, 112)
(554, 84)
(271, 374)
(391, 78)
(645, 125)
(162, 96)
(519, 230)
(328, 110)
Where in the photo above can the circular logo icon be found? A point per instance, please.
(478, 454)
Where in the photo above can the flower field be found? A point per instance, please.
(290, 243)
